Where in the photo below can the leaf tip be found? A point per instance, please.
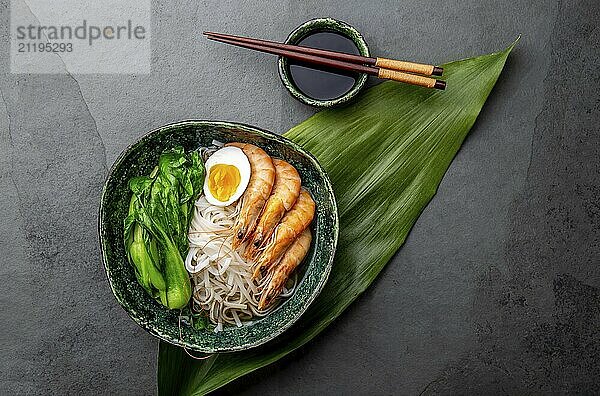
(510, 47)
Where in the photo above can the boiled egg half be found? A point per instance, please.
(227, 176)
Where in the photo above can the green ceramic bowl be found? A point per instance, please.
(320, 25)
(139, 159)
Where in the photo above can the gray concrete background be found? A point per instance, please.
(495, 291)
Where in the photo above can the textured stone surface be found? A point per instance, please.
(495, 291)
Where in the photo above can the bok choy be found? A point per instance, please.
(155, 230)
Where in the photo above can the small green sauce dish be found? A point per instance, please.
(324, 88)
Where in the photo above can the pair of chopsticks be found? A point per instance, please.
(389, 69)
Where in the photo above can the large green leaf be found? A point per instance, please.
(386, 155)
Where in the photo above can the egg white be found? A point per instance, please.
(228, 156)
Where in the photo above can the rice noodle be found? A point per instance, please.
(222, 279)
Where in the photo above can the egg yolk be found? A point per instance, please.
(223, 181)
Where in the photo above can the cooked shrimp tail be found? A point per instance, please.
(293, 223)
(283, 196)
(259, 188)
(282, 270)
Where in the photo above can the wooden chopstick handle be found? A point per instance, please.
(409, 67)
(411, 79)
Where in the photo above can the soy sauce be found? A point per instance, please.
(320, 82)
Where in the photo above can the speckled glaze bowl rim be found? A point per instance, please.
(320, 24)
(264, 134)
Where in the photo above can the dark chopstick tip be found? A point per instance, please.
(440, 85)
(437, 71)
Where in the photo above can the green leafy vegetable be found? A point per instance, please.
(385, 154)
(156, 227)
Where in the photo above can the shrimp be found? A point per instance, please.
(282, 270)
(259, 188)
(293, 223)
(283, 196)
